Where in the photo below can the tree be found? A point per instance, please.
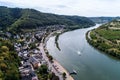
(52, 76)
(12, 75)
(1, 74)
(50, 57)
(4, 48)
(32, 45)
(64, 75)
(43, 69)
(3, 66)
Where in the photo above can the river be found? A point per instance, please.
(77, 54)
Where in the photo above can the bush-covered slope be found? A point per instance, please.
(16, 18)
(107, 38)
(9, 61)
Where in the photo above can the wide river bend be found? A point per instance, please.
(77, 54)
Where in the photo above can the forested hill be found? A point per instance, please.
(17, 18)
(103, 19)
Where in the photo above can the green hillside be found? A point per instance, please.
(103, 19)
(17, 18)
(9, 61)
(107, 38)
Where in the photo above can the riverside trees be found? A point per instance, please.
(107, 38)
(9, 61)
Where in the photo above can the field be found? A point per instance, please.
(106, 39)
(109, 34)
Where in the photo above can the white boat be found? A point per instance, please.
(74, 71)
(79, 53)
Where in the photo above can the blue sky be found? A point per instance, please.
(69, 7)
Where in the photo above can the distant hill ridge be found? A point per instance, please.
(103, 19)
(18, 18)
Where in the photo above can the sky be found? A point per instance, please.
(88, 8)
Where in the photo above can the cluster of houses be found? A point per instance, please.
(31, 59)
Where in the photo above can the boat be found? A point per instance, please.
(73, 72)
(79, 53)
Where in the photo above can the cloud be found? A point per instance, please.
(69, 7)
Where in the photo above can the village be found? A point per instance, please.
(31, 49)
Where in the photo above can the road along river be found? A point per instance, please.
(77, 54)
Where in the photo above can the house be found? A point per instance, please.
(33, 75)
(34, 78)
(20, 54)
(36, 51)
(38, 57)
(34, 62)
(27, 65)
(44, 62)
(24, 71)
(25, 58)
(29, 75)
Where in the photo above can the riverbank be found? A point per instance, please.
(57, 38)
(62, 70)
(59, 69)
(92, 62)
(104, 40)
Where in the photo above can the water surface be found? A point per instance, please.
(77, 54)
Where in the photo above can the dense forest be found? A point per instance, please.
(17, 18)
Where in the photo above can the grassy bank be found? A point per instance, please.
(57, 38)
(58, 34)
(106, 39)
